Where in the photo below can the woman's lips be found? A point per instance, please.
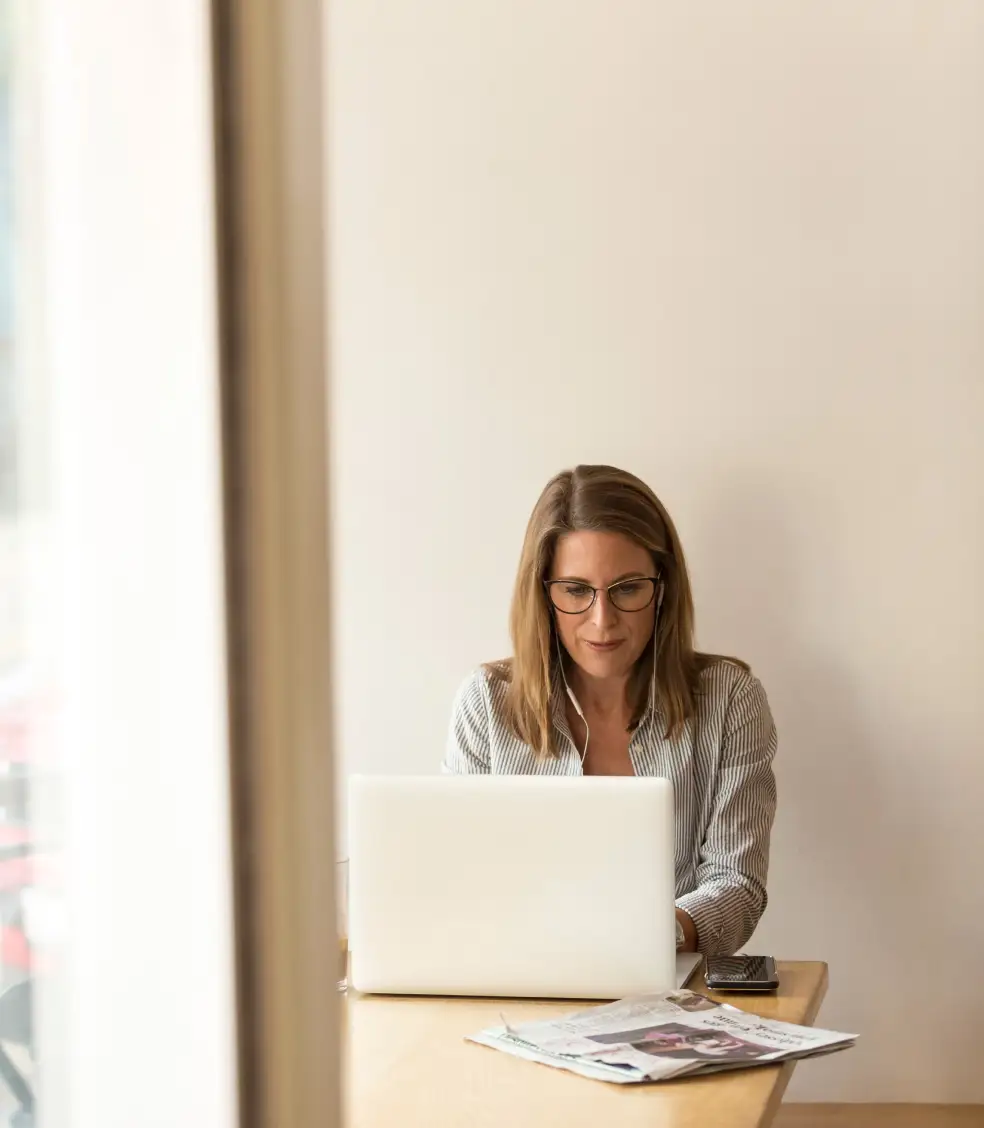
(604, 647)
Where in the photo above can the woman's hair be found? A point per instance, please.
(599, 499)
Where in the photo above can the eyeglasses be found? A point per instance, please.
(571, 597)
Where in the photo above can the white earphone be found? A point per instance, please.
(574, 700)
(652, 680)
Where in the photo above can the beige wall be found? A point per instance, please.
(739, 250)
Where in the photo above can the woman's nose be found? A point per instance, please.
(603, 614)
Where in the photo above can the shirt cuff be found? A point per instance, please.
(704, 910)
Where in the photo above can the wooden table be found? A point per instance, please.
(407, 1066)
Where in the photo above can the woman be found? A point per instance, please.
(604, 680)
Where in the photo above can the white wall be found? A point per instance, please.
(739, 250)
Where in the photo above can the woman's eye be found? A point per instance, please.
(630, 587)
(576, 589)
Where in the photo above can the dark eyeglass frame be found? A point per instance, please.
(654, 580)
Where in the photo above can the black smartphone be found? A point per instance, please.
(741, 973)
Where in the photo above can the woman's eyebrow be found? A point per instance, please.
(581, 580)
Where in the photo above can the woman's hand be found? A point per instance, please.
(689, 931)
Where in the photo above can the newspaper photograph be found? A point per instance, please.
(659, 1037)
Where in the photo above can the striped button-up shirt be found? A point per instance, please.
(720, 766)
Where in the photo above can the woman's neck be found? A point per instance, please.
(602, 697)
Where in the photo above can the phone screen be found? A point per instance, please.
(742, 973)
(743, 969)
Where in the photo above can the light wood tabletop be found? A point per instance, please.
(406, 1064)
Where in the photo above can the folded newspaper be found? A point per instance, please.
(656, 1037)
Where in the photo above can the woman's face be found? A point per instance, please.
(604, 641)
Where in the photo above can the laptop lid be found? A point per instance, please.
(535, 886)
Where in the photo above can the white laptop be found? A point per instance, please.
(512, 886)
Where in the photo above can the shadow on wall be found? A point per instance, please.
(860, 843)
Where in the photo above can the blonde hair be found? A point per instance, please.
(599, 499)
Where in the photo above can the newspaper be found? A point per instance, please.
(657, 1037)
